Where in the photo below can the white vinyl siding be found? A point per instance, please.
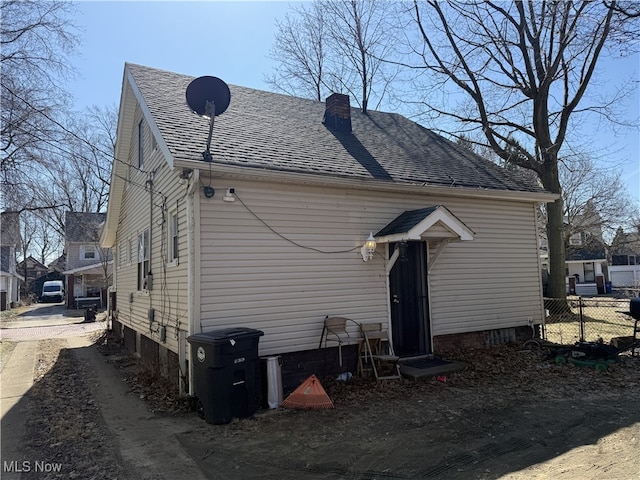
(252, 277)
(493, 281)
(169, 295)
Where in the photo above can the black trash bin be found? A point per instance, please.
(226, 371)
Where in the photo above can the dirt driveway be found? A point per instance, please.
(513, 414)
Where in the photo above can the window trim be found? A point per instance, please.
(84, 249)
(141, 143)
(143, 263)
(173, 238)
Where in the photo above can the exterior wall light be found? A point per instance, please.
(368, 248)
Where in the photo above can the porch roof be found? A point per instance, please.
(435, 222)
(93, 269)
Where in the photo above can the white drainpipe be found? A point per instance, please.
(193, 269)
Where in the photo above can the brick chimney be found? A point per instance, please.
(337, 114)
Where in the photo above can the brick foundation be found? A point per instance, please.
(445, 343)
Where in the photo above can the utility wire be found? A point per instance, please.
(293, 242)
(84, 141)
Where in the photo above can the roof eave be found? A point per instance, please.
(281, 176)
(93, 266)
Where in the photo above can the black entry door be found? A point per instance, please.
(409, 303)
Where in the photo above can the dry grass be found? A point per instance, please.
(603, 320)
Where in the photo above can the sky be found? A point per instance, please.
(232, 40)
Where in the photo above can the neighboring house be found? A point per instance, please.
(31, 269)
(269, 235)
(59, 264)
(625, 260)
(585, 255)
(586, 259)
(88, 266)
(9, 244)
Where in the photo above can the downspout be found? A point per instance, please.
(114, 282)
(149, 274)
(193, 274)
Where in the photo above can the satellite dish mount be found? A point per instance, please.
(208, 97)
(210, 108)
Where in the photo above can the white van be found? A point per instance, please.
(53, 290)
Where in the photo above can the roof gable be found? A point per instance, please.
(416, 224)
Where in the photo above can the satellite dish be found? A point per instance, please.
(205, 92)
(208, 96)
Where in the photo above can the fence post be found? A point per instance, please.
(581, 320)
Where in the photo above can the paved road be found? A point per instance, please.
(41, 321)
(25, 326)
(148, 444)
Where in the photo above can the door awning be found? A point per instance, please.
(430, 223)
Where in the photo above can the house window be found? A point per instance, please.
(173, 237)
(624, 260)
(143, 259)
(575, 239)
(140, 143)
(88, 252)
(589, 272)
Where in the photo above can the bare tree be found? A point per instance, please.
(522, 69)
(335, 46)
(36, 39)
(589, 188)
(300, 50)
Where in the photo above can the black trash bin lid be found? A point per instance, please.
(224, 335)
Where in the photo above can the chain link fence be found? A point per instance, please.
(578, 319)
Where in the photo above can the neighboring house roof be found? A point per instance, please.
(59, 264)
(83, 227)
(10, 228)
(592, 249)
(32, 263)
(626, 244)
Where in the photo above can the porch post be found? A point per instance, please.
(70, 294)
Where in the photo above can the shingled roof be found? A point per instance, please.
(83, 226)
(265, 130)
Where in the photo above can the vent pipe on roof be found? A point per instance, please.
(337, 114)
